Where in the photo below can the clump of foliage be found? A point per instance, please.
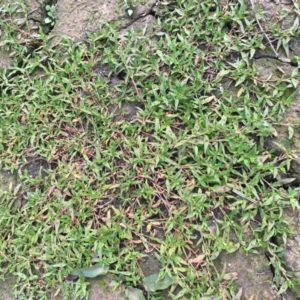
(51, 11)
(158, 180)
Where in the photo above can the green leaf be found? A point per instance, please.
(241, 80)
(92, 272)
(283, 288)
(268, 235)
(170, 134)
(134, 294)
(152, 283)
(234, 248)
(89, 111)
(48, 20)
(291, 131)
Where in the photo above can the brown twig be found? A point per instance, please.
(282, 59)
(243, 196)
(137, 90)
(262, 30)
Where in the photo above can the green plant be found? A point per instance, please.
(50, 11)
(129, 6)
(121, 189)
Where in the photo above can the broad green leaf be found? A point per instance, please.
(170, 134)
(92, 272)
(241, 80)
(152, 283)
(290, 131)
(234, 248)
(134, 294)
(283, 288)
(48, 20)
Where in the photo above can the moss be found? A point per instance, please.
(103, 284)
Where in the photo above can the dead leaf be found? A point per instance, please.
(148, 228)
(231, 276)
(222, 189)
(56, 226)
(208, 99)
(262, 159)
(108, 219)
(274, 131)
(23, 119)
(240, 92)
(197, 260)
(262, 47)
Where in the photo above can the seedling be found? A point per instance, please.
(50, 11)
(128, 7)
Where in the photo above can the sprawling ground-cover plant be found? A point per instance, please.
(159, 180)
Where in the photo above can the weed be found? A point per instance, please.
(51, 15)
(153, 182)
(129, 6)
